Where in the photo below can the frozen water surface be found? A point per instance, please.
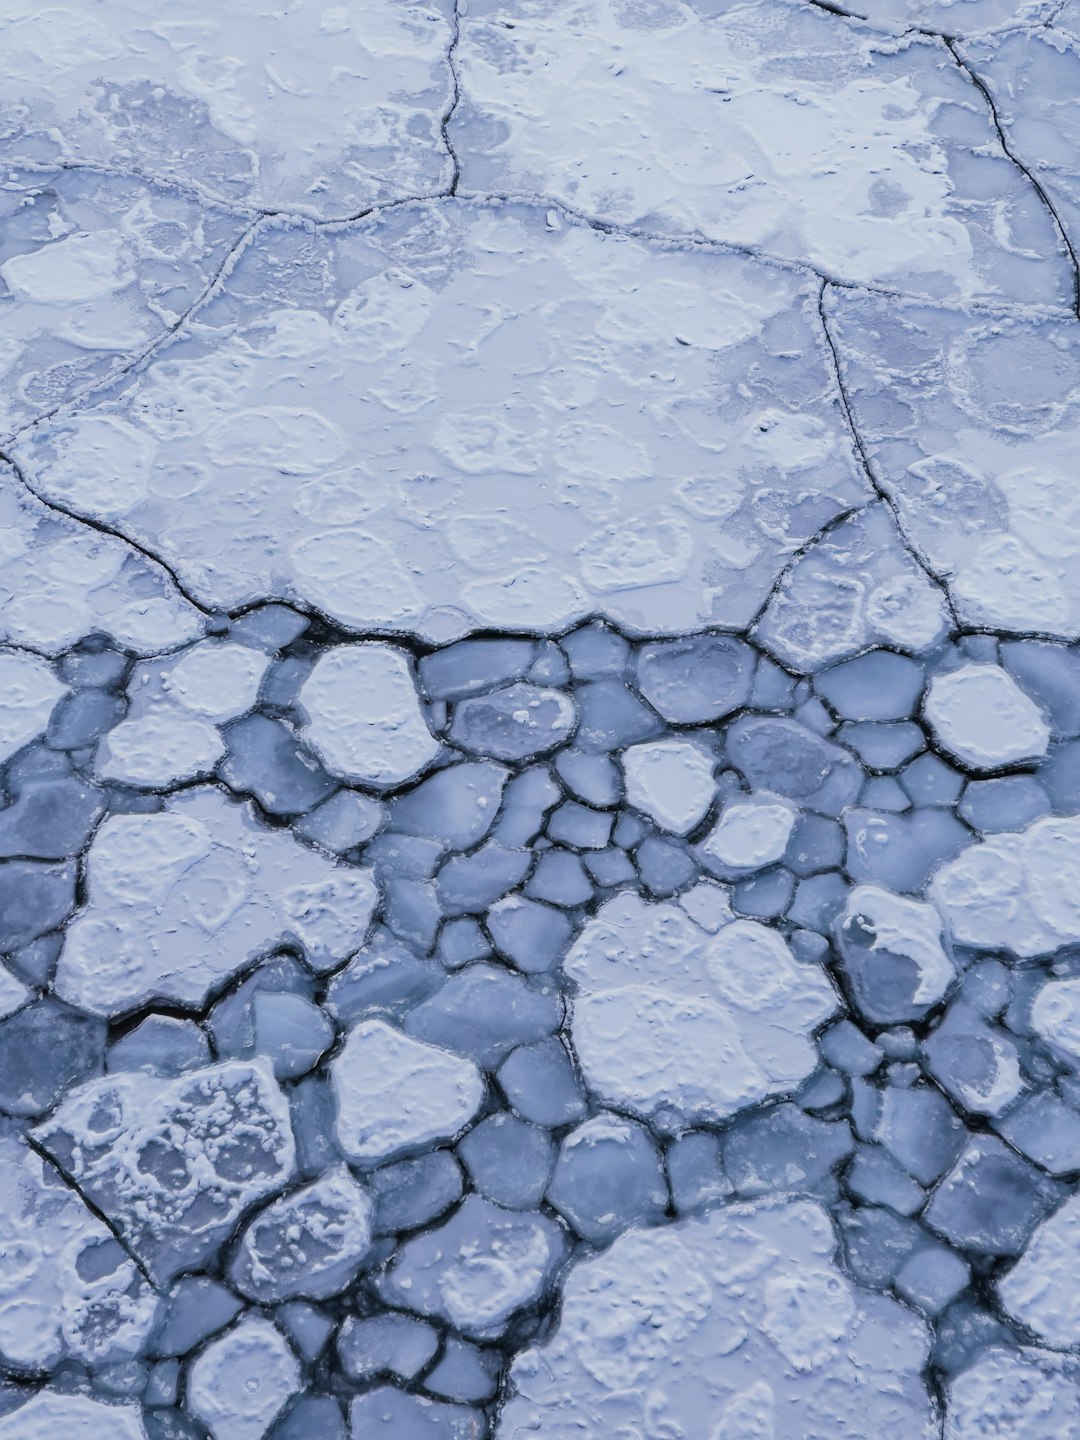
(540, 720)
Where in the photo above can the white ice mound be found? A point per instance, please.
(671, 1015)
(982, 717)
(1019, 890)
(179, 901)
(364, 717)
(737, 1326)
(395, 1093)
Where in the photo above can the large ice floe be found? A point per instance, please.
(539, 720)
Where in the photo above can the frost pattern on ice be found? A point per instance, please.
(538, 745)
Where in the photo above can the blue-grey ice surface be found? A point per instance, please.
(540, 720)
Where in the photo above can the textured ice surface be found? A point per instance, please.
(319, 109)
(311, 1243)
(726, 123)
(67, 1290)
(160, 886)
(48, 1414)
(969, 425)
(750, 1323)
(96, 268)
(539, 720)
(174, 1164)
(420, 508)
(1025, 1392)
(668, 1016)
(1016, 889)
(478, 1268)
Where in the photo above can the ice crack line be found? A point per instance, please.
(867, 467)
(90, 523)
(1033, 180)
(168, 334)
(72, 1184)
(455, 96)
(951, 43)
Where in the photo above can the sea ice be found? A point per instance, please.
(477, 1269)
(311, 1243)
(364, 717)
(395, 1093)
(241, 1382)
(175, 1163)
(670, 1017)
(983, 718)
(179, 901)
(671, 781)
(751, 1323)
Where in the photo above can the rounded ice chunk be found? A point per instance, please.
(752, 831)
(364, 717)
(514, 723)
(608, 1176)
(215, 680)
(478, 1268)
(701, 677)
(982, 717)
(395, 1093)
(671, 781)
(159, 748)
(309, 1244)
(179, 901)
(669, 1016)
(399, 1413)
(173, 1164)
(1055, 1015)
(242, 1381)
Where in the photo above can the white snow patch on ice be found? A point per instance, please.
(395, 1093)
(671, 781)
(180, 900)
(982, 717)
(742, 1316)
(1019, 890)
(668, 1016)
(364, 716)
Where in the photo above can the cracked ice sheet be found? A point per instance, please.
(729, 125)
(968, 17)
(324, 109)
(1034, 79)
(459, 415)
(972, 424)
(93, 269)
(60, 580)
